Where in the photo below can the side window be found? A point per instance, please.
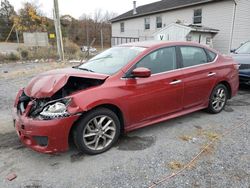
(158, 22)
(122, 27)
(161, 60)
(192, 56)
(197, 19)
(147, 23)
(211, 55)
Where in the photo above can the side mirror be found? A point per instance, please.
(233, 50)
(141, 72)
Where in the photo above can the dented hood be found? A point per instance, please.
(47, 84)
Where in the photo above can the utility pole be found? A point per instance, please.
(58, 30)
(17, 37)
(101, 38)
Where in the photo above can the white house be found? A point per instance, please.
(180, 32)
(231, 18)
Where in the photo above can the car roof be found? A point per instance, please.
(154, 43)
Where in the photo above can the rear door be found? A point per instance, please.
(199, 75)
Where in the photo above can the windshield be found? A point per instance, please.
(111, 60)
(244, 49)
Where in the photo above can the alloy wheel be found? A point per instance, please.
(99, 132)
(219, 99)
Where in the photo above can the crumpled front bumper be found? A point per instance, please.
(55, 131)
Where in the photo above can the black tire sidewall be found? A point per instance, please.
(210, 107)
(82, 122)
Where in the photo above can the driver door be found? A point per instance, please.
(160, 94)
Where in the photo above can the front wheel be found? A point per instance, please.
(97, 131)
(218, 99)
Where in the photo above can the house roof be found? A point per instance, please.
(204, 29)
(160, 6)
(191, 27)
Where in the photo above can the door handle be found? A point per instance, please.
(175, 82)
(211, 74)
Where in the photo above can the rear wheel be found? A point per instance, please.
(97, 131)
(218, 99)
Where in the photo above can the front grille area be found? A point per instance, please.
(41, 140)
(244, 66)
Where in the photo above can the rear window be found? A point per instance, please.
(192, 56)
(211, 55)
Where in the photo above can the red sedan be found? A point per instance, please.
(122, 89)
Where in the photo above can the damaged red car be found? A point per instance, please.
(122, 89)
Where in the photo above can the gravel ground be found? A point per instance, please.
(139, 159)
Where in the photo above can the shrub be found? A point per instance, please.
(12, 57)
(70, 49)
(2, 57)
(24, 54)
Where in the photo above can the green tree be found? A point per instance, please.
(29, 19)
(6, 23)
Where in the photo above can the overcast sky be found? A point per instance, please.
(77, 7)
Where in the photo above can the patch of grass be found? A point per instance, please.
(71, 51)
(9, 57)
(208, 149)
(175, 165)
(211, 135)
(186, 138)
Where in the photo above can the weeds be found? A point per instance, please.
(186, 138)
(175, 165)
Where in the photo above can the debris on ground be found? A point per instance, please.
(11, 176)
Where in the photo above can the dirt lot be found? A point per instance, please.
(141, 158)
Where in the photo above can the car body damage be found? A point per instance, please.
(49, 97)
(54, 88)
(47, 84)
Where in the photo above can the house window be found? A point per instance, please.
(122, 27)
(208, 40)
(189, 38)
(197, 16)
(158, 22)
(147, 23)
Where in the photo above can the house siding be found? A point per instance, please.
(217, 15)
(241, 32)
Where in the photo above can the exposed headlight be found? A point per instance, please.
(55, 110)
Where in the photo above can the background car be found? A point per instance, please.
(242, 56)
(91, 49)
(122, 89)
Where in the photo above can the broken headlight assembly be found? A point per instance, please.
(55, 109)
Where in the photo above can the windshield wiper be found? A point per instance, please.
(85, 69)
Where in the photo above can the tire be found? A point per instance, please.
(97, 131)
(218, 99)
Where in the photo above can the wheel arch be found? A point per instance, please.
(109, 106)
